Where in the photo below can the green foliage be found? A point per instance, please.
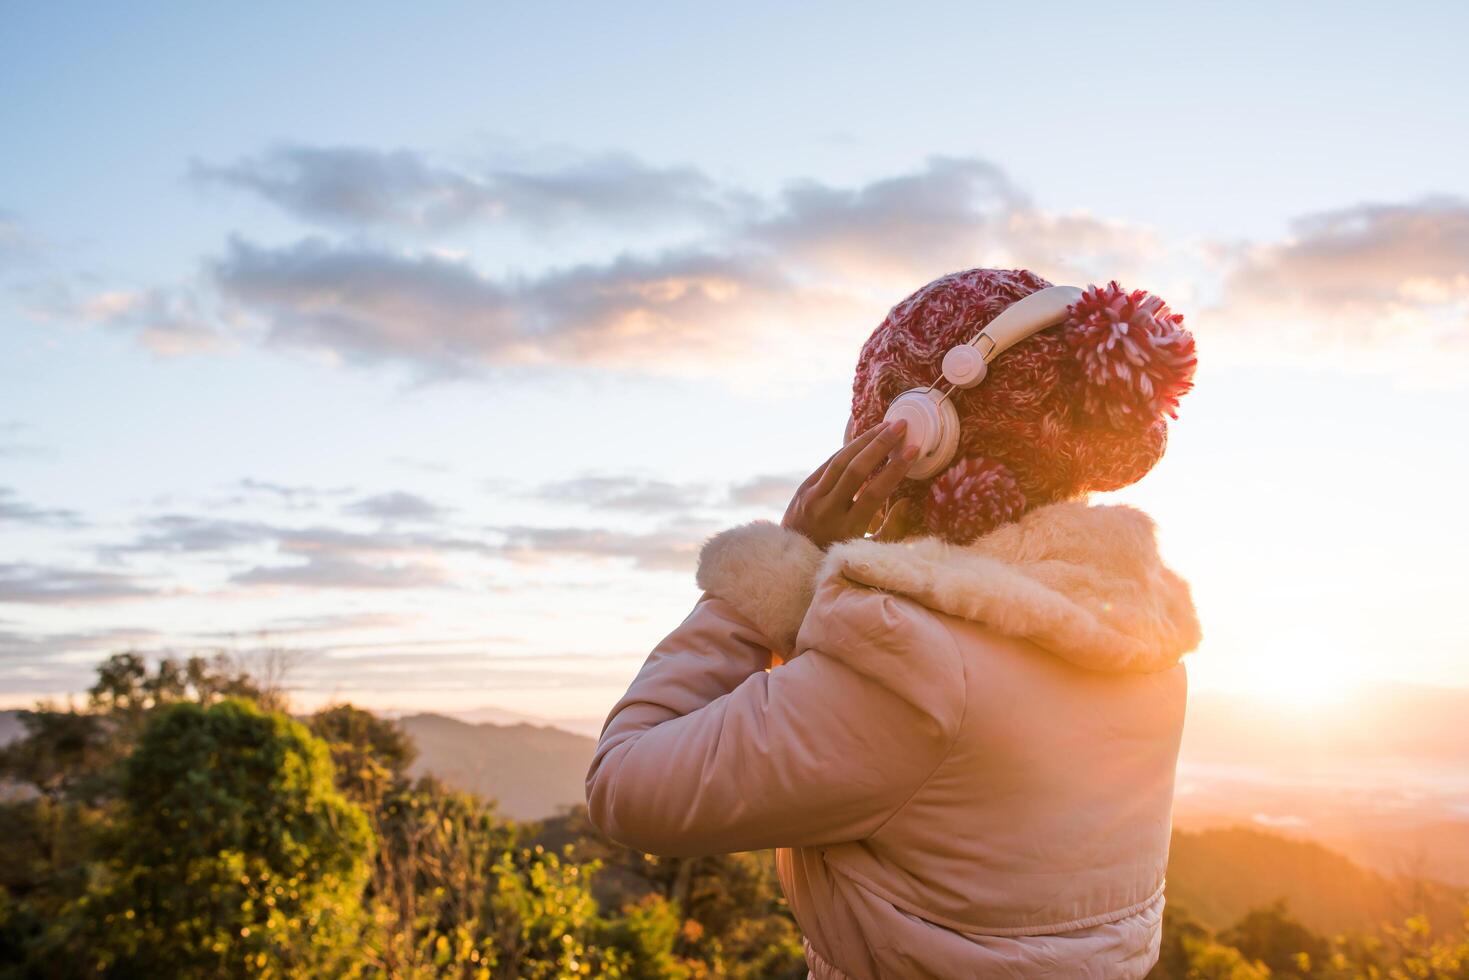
(646, 933)
(1270, 936)
(432, 882)
(234, 853)
(1182, 934)
(736, 921)
(1267, 942)
(126, 692)
(1208, 960)
(547, 919)
(1220, 874)
(60, 753)
(181, 826)
(370, 754)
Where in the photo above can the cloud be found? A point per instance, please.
(767, 490)
(953, 213)
(320, 556)
(946, 215)
(328, 623)
(1375, 274)
(167, 322)
(16, 450)
(291, 495)
(369, 306)
(407, 670)
(356, 187)
(641, 494)
(324, 540)
(16, 511)
(397, 506)
(325, 571)
(806, 269)
(17, 244)
(184, 534)
(37, 584)
(48, 645)
(629, 493)
(791, 272)
(936, 218)
(40, 661)
(328, 558)
(673, 547)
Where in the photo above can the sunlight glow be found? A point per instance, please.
(1296, 671)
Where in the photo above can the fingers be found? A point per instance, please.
(861, 466)
(837, 464)
(882, 485)
(817, 473)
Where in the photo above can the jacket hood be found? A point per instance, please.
(1085, 582)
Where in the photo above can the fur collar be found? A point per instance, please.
(1085, 582)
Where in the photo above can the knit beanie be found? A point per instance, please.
(1077, 407)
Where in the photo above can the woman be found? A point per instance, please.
(959, 734)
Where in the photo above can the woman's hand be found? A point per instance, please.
(828, 506)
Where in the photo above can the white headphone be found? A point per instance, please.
(933, 423)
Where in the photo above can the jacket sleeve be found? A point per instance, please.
(712, 751)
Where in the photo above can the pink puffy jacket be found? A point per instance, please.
(965, 762)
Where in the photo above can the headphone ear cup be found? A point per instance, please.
(933, 426)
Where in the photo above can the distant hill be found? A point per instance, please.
(1218, 875)
(494, 715)
(1379, 775)
(531, 770)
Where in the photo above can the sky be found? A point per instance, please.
(430, 345)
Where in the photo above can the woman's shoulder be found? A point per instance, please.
(1085, 582)
(890, 638)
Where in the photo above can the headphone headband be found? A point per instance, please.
(933, 422)
(1021, 319)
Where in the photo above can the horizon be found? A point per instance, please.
(260, 347)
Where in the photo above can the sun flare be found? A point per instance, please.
(1299, 675)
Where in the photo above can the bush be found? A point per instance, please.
(233, 854)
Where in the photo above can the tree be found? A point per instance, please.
(126, 691)
(1181, 932)
(59, 751)
(234, 853)
(1209, 960)
(732, 915)
(433, 881)
(371, 755)
(1272, 937)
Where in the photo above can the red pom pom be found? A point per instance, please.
(972, 498)
(1135, 353)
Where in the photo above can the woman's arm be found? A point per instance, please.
(709, 752)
